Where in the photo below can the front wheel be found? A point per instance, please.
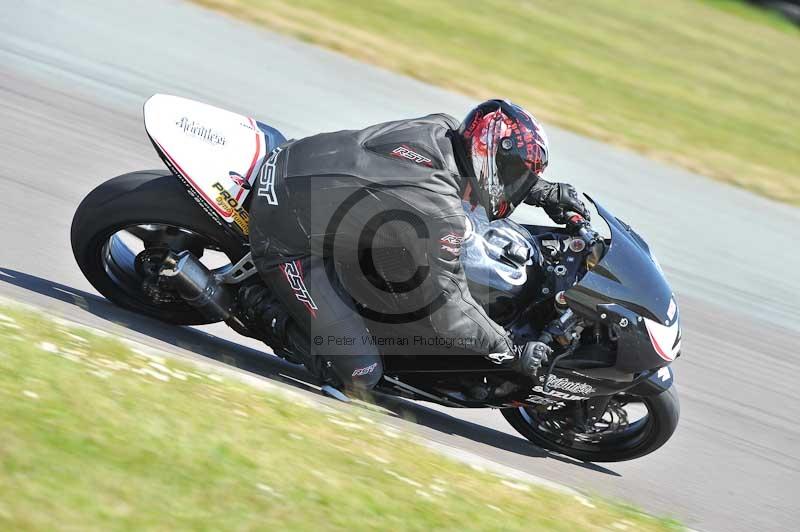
(123, 230)
(631, 427)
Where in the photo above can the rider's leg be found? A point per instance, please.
(328, 326)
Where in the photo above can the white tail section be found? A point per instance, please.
(217, 152)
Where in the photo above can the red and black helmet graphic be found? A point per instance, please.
(506, 151)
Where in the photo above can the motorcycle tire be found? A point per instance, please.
(663, 412)
(139, 199)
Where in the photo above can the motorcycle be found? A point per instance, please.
(173, 244)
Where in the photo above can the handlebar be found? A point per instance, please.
(581, 227)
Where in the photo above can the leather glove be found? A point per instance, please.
(534, 354)
(557, 199)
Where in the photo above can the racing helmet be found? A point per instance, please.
(505, 152)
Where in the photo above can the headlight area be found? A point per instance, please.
(666, 339)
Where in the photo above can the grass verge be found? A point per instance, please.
(709, 85)
(99, 434)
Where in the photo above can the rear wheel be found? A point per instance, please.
(631, 427)
(124, 228)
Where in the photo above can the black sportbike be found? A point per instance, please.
(173, 245)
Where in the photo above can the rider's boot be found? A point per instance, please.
(269, 322)
(336, 366)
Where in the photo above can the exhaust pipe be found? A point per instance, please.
(197, 285)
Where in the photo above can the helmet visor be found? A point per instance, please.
(517, 189)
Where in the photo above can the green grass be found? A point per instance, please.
(711, 85)
(757, 14)
(100, 434)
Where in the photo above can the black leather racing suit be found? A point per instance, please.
(360, 231)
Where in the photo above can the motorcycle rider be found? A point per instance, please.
(358, 229)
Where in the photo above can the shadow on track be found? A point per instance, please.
(271, 367)
(193, 340)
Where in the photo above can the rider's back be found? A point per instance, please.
(332, 183)
(383, 204)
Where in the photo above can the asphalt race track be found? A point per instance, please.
(74, 75)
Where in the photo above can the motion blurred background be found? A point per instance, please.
(710, 85)
(680, 116)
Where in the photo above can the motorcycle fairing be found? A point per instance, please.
(629, 275)
(218, 153)
(627, 290)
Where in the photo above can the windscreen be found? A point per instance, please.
(627, 274)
